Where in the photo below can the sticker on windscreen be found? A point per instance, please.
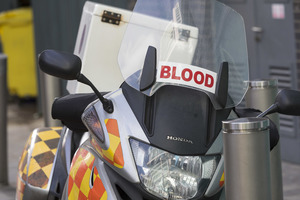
(188, 75)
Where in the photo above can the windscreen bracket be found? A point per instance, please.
(222, 84)
(149, 70)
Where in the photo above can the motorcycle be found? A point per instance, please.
(158, 136)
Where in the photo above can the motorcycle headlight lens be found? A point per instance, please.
(170, 176)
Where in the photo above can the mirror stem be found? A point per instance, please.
(107, 104)
(272, 109)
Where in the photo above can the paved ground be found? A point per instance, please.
(22, 119)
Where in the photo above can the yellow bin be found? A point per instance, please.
(16, 32)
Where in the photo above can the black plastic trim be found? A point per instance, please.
(176, 119)
(149, 70)
(69, 109)
(222, 85)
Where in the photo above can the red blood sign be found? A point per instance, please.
(187, 75)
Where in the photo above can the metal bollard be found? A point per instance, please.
(247, 159)
(3, 120)
(50, 89)
(260, 95)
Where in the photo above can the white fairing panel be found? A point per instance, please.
(128, 127)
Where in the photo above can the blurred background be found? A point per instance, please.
(27, 27)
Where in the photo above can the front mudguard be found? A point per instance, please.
(36, 166)
(87, 178)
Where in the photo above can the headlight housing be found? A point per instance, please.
(170, 176)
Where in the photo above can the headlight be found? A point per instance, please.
(171, 176)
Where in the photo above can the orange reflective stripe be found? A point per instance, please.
(114, 154)
(222, 180)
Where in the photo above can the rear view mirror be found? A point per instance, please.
(60, 64)
(287, 102)
(68, 66)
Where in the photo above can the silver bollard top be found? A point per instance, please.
(250, 124)
(3, 65)
(262, 83)
(2, 55)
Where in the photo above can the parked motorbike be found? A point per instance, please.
(159, 135)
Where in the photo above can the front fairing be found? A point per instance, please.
(178, 118)
(187, 35)
(118, 156)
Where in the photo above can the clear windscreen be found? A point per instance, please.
(192, 39)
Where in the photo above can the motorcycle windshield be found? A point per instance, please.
(193, 39)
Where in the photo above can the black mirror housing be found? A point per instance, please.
(60, 64)
(288, 102)
(68, 66)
